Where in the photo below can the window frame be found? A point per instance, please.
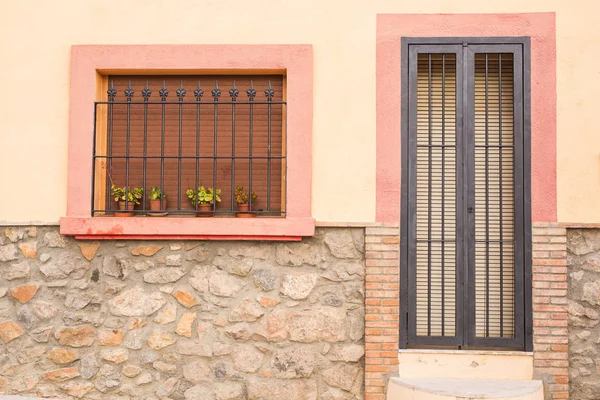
(91, 63)
(406, 158)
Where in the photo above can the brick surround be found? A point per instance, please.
(550, 323)
(550, 333)
(382, 307)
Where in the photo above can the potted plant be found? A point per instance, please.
(243, 199)
(158, 200)
(205, 199)
(121, 194)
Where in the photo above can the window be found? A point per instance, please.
(290, 217)
(465, 198)
(177, 133)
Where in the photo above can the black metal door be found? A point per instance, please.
(465, 194)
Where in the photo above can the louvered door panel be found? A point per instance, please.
(494, 195)
(464, 195)
(436, 195)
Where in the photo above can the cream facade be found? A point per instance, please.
(343, 40)
(171, 314)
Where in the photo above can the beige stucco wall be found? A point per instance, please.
(35, 40)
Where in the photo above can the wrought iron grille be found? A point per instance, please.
(219, 139)
(465, 224)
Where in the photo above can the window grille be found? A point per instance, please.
(177, 133)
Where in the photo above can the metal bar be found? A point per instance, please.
(404, 195)
(198, 93)
(194, 157)
(434, 241)
(443, 190)
(192, 211)
(111, 97)
(251, 95)
(269, 93)
(233, 93)
(523, 82)
(94, 160)
(163, 95)
(466, 230)
(128, 94)
(180, 95)
(487, 206)
(146, 94)
(216, 92)
(411, 194)
(189, 104)
(501, 219)
(429, 191)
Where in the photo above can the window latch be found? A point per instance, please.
(471, 210)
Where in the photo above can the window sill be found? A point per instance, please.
(289, 229)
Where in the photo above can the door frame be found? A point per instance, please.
(527, 310)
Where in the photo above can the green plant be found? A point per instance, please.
(242, 197)
(203, 195)
(156, 194)
(122, 193)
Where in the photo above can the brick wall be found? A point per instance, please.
(550, 324)
(382, 307)
(549, 308)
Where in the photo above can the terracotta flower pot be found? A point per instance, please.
(244, 211)
(130, 207)
(158, 205)
(205, 210)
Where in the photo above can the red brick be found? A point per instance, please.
(381, 263)
(549, 322)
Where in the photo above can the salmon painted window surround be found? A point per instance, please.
(90, 67)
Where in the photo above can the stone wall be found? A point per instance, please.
(182, 320)
(584, 312)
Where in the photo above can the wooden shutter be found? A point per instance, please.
(464, 195)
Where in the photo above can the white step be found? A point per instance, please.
(461, 364)
(461, 389)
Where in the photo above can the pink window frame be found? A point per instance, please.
(541, 27)
(88, 62)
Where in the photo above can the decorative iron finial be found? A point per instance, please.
(251, 92)
(198, 93)
(146, 92)
(216, 92)
(129, 92)
(233, 92)
(269, 92)
(180, 92)
(112, 92)
(163, 92)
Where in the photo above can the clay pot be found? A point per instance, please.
(244, 211)
(130, 207)
(158, 205)
(205, 210)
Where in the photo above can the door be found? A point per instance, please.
(465, 195)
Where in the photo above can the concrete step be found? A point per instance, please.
(461, 364)
(461, 389)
